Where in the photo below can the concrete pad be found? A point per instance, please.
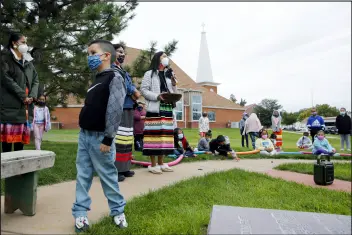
(242, 220)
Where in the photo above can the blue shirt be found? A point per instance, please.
(130, 88)
(315, 122)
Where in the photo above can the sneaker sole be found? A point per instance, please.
(156, 172)
(81, 230)
(167, 170)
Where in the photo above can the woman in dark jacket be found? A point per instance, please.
(19, 86)
(343, 125)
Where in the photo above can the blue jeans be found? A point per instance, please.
(90, 159)
(323, 151)
(253, 135)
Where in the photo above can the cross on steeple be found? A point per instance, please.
(203, 25)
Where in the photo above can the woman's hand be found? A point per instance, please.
(27, 100)
(174, 80)
(160, 97)
(136, 95)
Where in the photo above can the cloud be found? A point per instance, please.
(258, 50)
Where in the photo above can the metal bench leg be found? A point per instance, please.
(21, 193)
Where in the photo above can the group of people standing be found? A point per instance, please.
(315, 123)
(111, 118)
(251, 126)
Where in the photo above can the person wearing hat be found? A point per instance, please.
(139, 117)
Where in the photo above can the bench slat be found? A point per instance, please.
(21, 162)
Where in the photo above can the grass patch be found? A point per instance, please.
(185, 207)
(342, 170)
(65, 163)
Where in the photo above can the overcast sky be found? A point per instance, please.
(281, 50)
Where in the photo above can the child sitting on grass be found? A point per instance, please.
(273, 140)
(203, 144)
(265, 145)
(181, 144)
(322, 146)
(304, 142)
(220, 146)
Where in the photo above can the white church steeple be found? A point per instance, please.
(204, 71)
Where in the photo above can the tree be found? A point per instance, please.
(265, 109)
(303, 113)
(323, 110)
(243, 102)
(289, 118)
(142, 62)
(326, 110)
(233, 98)
(59, 32)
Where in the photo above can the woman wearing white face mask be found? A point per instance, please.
(19, 86)
(158, 126)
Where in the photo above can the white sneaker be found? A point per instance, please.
(82, 224)
(120, 220)
(155, 169)
(336, 155)
(166, 168)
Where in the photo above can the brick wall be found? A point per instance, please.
(69, 117)
(215, 88)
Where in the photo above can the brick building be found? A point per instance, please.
(197, 97)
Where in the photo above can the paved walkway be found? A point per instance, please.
(54, 202)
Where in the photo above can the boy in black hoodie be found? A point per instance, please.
(99, 120)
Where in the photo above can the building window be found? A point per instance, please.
(179, 110)
(211, 116)
(196, 107)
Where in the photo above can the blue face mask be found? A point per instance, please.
(140, 108)
(180, 136)
(94, 62)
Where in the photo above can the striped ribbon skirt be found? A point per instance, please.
(124, 142)
(158, 132)
(278, 138)
(15, 133)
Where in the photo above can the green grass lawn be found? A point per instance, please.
(342, 170)
(185, 207)
(289, 139)
(64, 144)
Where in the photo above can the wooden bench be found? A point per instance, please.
(20, 171)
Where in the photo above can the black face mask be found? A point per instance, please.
(41, 103)
(121, 59)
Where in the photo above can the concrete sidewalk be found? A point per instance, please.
(55, 201)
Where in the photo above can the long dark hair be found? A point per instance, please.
(14, 37)
(155, 63)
